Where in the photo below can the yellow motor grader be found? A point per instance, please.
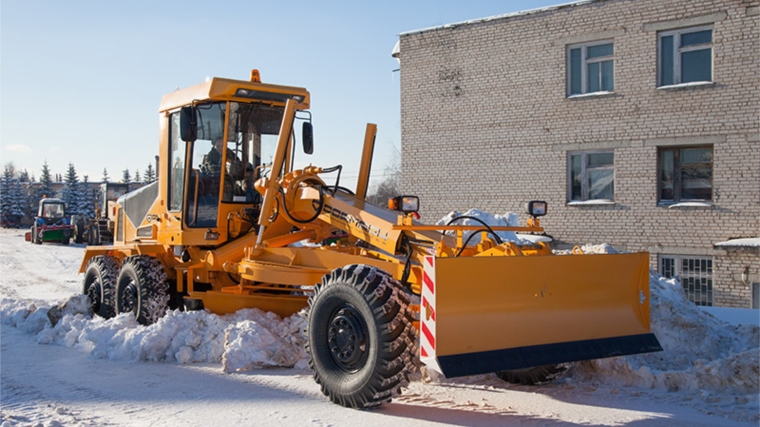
(231, 224)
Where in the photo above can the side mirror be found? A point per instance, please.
(308, 138)
(188, 124)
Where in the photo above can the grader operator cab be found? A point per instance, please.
(219, 229)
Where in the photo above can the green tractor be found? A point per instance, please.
(51, 223)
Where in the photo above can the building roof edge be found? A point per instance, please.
(502, 16)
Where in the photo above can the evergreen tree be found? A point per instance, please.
(105, 177)
(46, 189)
(9, 169)
(89, 198)
(150, 174)
(77, 195)
(126, 178)
(70, 189)
(137, 175)
(18, 191)
(11, 194)
(85, 201)
(32, 199)
(23, 176)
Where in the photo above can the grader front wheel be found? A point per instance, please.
(361, 340)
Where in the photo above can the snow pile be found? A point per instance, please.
(700, 351)
(602, 248)
(509, 219)
(248, 339)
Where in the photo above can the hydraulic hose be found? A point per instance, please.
(488, 228)
(310, 219)
(466, 242)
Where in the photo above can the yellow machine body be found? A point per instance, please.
(484, 307)
(482, 314)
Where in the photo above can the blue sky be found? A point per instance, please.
(81, 81)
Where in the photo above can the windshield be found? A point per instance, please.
(226, 171)
(253, 130)
(52, 210)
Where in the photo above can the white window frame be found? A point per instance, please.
(584, 66)
(677, 51)
(694, 295)
(584, 174)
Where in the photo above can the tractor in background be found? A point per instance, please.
(51, 223)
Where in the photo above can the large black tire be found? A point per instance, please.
(66, 240)
(99, 285)
(361, 339)
(78, 233)
(534, 375)
(143, 289)
(93, 235)
(35, 235)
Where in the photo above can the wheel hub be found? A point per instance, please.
(346, 337)
(93, 293)
(129, 297)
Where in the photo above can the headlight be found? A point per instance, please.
(405, 204)
(536, 208)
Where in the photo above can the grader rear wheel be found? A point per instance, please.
(143, 289)
(361, 339)
(99, 285)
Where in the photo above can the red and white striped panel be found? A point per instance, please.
(427, 315)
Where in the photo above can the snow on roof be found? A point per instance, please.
(503, 16)
(748, 242)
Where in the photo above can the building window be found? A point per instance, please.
(591, 176)
(694, 273)
(756, 295)
(685, 174)
(590, 68)
(685, 56)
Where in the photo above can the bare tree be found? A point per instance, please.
(390, 186)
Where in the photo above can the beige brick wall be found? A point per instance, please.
(486, 123)
(732, 292)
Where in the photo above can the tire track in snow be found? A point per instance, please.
(22, 404)
(49, 271)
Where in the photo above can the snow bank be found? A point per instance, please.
(700, 351)
(602, 248)
(248, 339)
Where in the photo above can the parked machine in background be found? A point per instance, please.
(51, 223)
(221, 228)
(99, 230)
(10, 221)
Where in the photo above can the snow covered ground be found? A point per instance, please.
(249, 368)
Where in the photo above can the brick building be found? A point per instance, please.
(638, 121)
